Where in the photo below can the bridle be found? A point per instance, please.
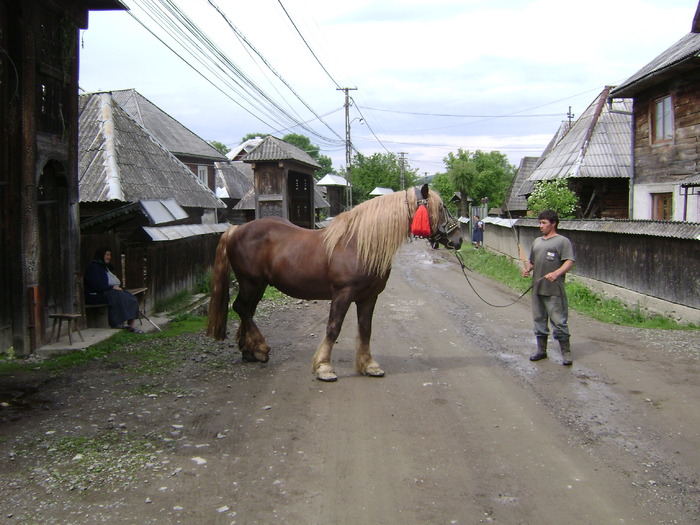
(444, 230)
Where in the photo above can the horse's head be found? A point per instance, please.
(448, 232)
(444, 228)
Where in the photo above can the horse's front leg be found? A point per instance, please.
(321, 364)
(364, 363)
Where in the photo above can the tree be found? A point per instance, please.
(443, 185)
(220, 147)
(480, 175)
(554, 195)
(304, 143)
(379, 169)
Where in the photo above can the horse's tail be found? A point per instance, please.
(220, 282)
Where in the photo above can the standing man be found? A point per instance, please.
(551, 256)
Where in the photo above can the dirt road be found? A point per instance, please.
(463, 429)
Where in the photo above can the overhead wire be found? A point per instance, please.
(242, 37)
(166, 15)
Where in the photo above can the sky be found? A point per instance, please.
(427, 78)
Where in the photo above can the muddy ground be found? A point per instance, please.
(463, 429)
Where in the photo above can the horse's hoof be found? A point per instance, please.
(325, 373)
(374, 372)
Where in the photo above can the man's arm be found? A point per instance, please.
(565, 267)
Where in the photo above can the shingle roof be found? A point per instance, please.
(233, 179)
(272, 148)
(598, 145)
(171, 133)
(671, 229)
(119, 160)
(514, 199)
(683, 55)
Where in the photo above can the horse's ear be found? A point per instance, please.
(424, 191)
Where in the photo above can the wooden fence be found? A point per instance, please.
(653, 258)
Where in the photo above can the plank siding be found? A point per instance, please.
(677, 159)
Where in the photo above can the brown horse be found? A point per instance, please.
(349, 261)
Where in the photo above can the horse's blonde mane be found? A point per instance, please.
(379, 227)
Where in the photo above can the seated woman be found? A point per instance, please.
(103, 287)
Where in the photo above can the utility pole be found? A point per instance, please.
(570, 116)
(403, 171)
(348, 145)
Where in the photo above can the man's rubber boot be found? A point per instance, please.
(541, 349)
(565, 352)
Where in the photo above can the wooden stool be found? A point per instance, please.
(72, 325)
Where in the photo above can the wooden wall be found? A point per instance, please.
(677, 159)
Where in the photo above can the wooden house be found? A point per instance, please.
(594, 157)
(234, 179)
(283, 181)
(39, 233)
(193, 151)
(515, 203)
(666, 123)
(336, 192)
(132, 189)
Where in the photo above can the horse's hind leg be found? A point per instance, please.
(321, 364)
(250, 340)
(364, 363)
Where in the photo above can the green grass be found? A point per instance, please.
(504, 270)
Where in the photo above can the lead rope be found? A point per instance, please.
(464, 267)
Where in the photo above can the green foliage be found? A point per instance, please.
(479, 175)
(443, 185)
(379, 169)
(219, 146)
(554, 195)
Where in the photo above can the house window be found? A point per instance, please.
(661, 206)
(202, 173)
(663, 119)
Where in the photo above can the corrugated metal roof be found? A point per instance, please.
(272, 148)
(332, 180)
(677, 230)
(183, 231)
(233, 179)
(598, 145)
(171, 133)
(120, 160)
(683, 54)
(162, 211)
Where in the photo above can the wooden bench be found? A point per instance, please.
(97, 315)
(72, 320)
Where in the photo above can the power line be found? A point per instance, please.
(307, 45)
(193, 40)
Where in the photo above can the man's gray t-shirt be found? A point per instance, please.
(547, 255)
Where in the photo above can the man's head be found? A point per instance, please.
(549, 221)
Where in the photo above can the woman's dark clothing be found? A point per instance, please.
(123, 306)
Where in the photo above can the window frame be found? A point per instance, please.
(203, 173)
(662, 122)
(662, 206)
